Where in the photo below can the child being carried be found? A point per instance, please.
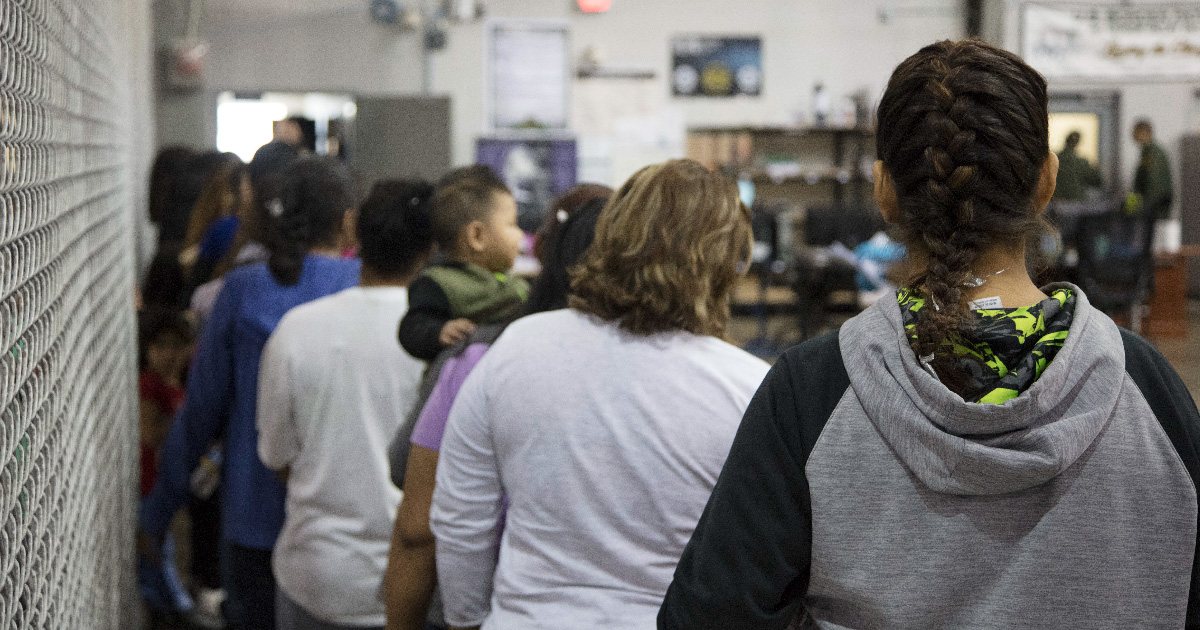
(475, 225)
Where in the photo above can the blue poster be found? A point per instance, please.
(536, 170)
(716, 66)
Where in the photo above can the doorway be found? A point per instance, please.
(1096, 116)
(379, 137)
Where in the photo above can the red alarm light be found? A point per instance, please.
(595, 6)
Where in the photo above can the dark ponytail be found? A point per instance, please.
(963, 132)
(395, 233)
(307, 206)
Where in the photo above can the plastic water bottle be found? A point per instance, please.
(207, 475)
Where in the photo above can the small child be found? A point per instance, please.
(475, 225)
(164, 348)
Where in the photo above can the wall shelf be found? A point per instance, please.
(812, 166)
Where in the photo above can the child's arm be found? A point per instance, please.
(428, 313)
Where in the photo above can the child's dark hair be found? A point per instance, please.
(963, 132)
(157, 322)
(394, 231)
(308, 208)
(476, 172)
(460, 204)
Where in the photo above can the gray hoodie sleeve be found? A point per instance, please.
(1175, 410)
(747, 563)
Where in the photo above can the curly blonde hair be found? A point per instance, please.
(666, 252)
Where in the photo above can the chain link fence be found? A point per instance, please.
(68, 432)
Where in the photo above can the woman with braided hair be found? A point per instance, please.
(978, 452)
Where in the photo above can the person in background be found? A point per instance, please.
(975, 452)
(169, 166)
(475, 225)
(314, 201)
(164, 349)
(575, 198)
(289, 131)
(255, 225)
(1152, 180)
(185, 189)
(333, 388)
(1075, 173)
(165, 285)
(216, 219)
(608, 461)
(412, 576)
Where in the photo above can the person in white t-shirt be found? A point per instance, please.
(333, 388)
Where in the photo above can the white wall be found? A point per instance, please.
(1171, 105)
(842, 44)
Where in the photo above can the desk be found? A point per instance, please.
(1167, 313)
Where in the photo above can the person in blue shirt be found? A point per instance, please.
(310, 203)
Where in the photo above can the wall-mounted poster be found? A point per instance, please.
(529, 71)
(1109, 41)
(716, 66)
(536, 170)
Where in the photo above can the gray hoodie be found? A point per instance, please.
(862, 493)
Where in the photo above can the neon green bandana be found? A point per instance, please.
(1008, 348)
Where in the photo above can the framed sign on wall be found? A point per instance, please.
(1108, 41)
(716, 66)
(528, 75)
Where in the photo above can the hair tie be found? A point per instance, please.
(275, 207)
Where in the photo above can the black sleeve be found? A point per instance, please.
(428, 312)
(1176, 412)
(747, 565)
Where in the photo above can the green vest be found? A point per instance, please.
(478, 294)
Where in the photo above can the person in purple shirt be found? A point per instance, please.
(310, 203)
(410, 580)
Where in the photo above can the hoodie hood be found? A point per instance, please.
(965, 448)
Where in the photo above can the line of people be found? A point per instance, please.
(414, 444)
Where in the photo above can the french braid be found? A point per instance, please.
(963, 133)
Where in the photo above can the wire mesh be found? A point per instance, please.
(67, 434)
